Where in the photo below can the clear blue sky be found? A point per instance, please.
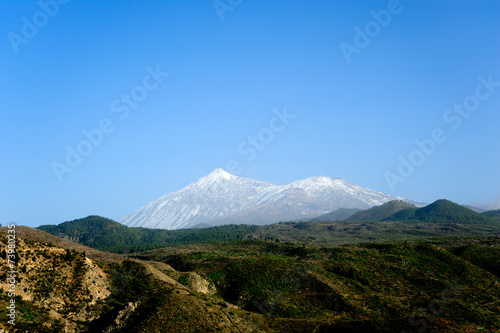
(70, 68)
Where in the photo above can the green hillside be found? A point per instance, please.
(371, 287)
(381, 212)
(441, 218)
(492, 213)
(108, 235)
(337, 215)
(433, 285)
(442, 211)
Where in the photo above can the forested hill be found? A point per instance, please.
(442, 211)
(492, 213)
(107, 235)
(381, 212)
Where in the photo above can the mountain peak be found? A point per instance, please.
(220, 173)
(221, 197)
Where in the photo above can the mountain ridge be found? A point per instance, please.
(222, 198)
(442, 211)
(381, 212)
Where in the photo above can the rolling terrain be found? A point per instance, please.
(108, 235)
(394, 220)
(431, 269)
(440, 285)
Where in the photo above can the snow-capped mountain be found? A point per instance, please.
(221, 198)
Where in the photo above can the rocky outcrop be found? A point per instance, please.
(121, 319)
(65, 283)
(199, 284)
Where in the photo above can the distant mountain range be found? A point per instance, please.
(440, 218)
(440, 211)
(385, 212)
(222, 198)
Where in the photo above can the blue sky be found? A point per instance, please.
(356, 102)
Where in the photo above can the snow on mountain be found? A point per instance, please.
(216, 195)
(221, 198)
